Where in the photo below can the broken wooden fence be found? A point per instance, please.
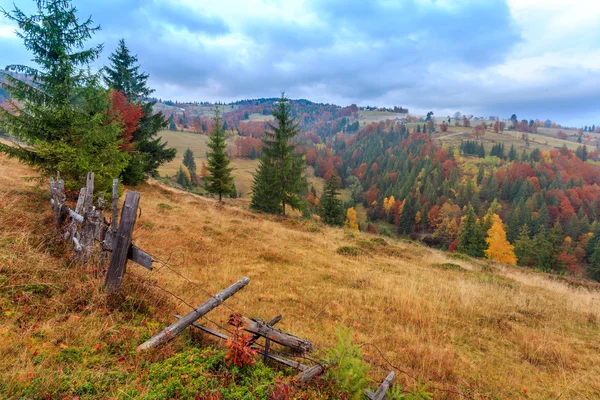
(88, 225)
(257, 327)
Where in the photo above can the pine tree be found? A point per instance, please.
(62, 113)
(218, 180)
(499, 249)
(280, 179)
(594, 268)
(150, 152)
(471, 240)
(351, 220)
(331, 211)
(524, 249)
(172, 126)
(407, 218)
(123, 74)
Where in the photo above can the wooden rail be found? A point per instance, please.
(172, 330)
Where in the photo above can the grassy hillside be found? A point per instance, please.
(485, 330)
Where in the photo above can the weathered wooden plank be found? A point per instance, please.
(72, 229)
(259, 327)
(115, 205)
(282, 360)
(122, 242)
(310, 373)
(382, 389)
(57, 191)
(73, 214)
(272, 322)
(89, 193)
(171, 331)
(89, 224)
(139, 256)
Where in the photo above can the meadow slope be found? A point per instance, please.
(485, 330)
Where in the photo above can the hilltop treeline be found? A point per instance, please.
(548, 201)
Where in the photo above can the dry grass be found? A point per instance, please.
(488, 331)
(491, 330)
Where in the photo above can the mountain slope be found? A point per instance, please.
(480, 329)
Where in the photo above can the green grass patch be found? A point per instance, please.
(349, 251)
(448, 266)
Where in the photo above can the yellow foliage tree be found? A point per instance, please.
(499, 249)
(351, 222)
(388, 203)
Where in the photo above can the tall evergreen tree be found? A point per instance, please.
(124, 74)
(524, 249)
(594, 268)
(62, 113)
(280, 178)
(406, 223)
(472, 238)
(218, 180)
(332, 212)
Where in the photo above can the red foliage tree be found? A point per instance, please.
(128, 114)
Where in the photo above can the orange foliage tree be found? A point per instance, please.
(499, 249)
(351, 222)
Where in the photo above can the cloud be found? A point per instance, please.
(537, 58)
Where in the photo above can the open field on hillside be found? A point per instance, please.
(243, 168)
(486, 330)
(260, 117)
(454, 136)
(366, 117)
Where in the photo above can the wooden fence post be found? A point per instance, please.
(172, 330)
(383, 388)
(121, 242)
(57, 191)
(115, 206)
(72, 234)
(89, 224)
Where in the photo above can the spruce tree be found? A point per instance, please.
(407, 218)
(62, 113)
(472, 237)
(123, 74)
(332, 212)
(594, 268)
(218, 180)
(280, 179)
(524, 249)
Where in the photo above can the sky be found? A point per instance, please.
(535, 58)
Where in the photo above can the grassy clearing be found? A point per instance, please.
(457, 133)
(243, 168)
(486, 330)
